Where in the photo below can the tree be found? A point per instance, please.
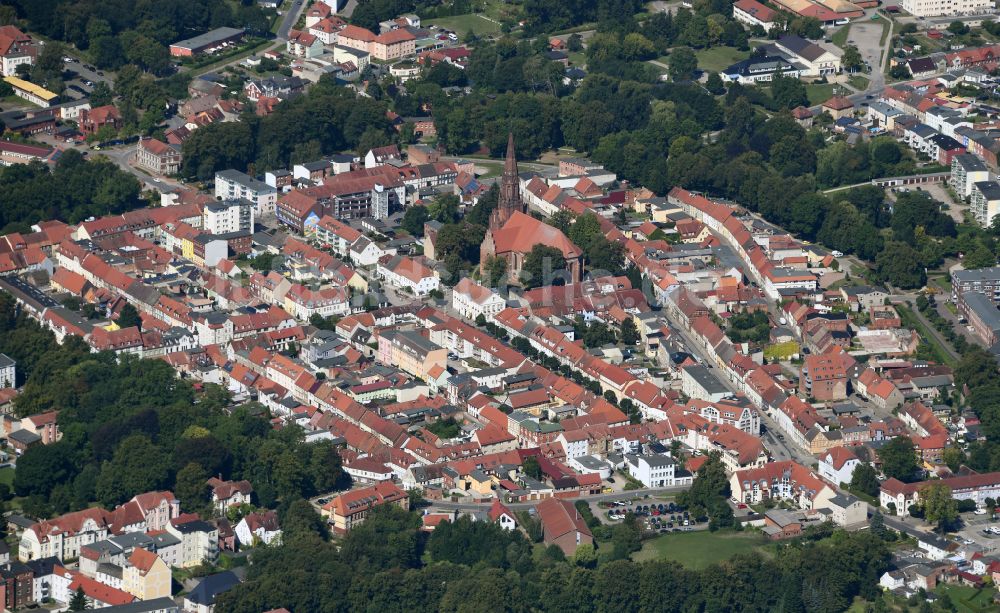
(414, 219)
(531, 467)
(574, 43)
(899, 459)
(788, 92)
(714, 84)
(939, 507)
(958, 28)
(444, 208)
(980, 257)
(900, 265)
(852, 60)
(865, 480)
(877, 525)
(129, 317)
(629, 333)
(137, 466)
(585, 556)
(544, 265)
(79, 601)
(682, 63)
(190, 486)
(954, 457)
(494, 271)
(101, 94)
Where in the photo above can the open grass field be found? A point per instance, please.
(463, 24)
(819, 93)
(699, 549)
(717, 58)
(969, 599)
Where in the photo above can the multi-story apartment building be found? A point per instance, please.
(231, 215)
(233, 184)
(966, 171)
(980, 280)
(935, 8)
(985, 203)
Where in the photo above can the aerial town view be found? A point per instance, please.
(500, 306)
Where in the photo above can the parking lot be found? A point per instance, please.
(80, 77)
(973, 528)
(656, 516)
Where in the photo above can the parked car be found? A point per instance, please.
(980, 511)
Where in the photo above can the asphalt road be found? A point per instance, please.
(289, 18)
(781, 450)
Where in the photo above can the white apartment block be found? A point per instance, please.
(228, 216)
(935, 8)
(985, 201)
(966, 171)
(233, 184)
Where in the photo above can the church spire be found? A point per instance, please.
(510, 166)
(510, 189)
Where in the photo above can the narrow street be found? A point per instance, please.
(781, 450)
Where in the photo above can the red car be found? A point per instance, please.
(741, 506)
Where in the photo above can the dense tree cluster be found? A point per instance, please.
(75, 189)
(331, 117)
(476, 566)
(132, 426)
(119, 32)
(749, 327)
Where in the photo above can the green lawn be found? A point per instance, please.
(7, 476)
(717, 58)
(839, 38)
(819, 92)
(858, 82)
(699, 549)
(463, 24)
(969, 599)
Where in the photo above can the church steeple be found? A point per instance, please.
(510, 189)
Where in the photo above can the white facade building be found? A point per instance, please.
(228, 216)
(656, 470)
(233, 184)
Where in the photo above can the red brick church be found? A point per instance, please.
(512, 232)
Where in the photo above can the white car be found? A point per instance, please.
(980, 511)
(837, 254)
(453, 36)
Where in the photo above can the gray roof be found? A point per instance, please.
(708, 381)
(6, 361)
(969, 162)
(211, 586)
(801, 47)
(989, 189)
(208, 38)
(654, 460)
(984, 309)
(24, 437)
(977, 274)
